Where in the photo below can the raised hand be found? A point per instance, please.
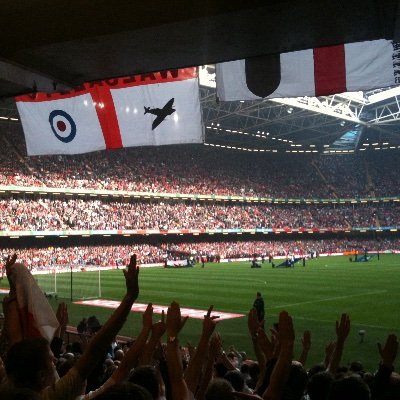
(158, 329)
(342, 331)
(175, 322)
(253, 323)
(281, 371)
(343, 327)
(147, 318)
(306, 341)
(62, 318)
(266, 344)
(329, 348)
(7, 267)
(191, 349)
(388, 353)
(215, 345)
(3, 374)
(10, 262)
(306, 344)
(131, 274)
(209, 322)
(286, 330)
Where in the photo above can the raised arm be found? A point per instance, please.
(174, 325)
(281, 370)
(329, 348)
(131, 357)
(380, 386)
(342, 331)
(306, 345)
(255, 329)
(3, 374)
(62, 318)
(389, 351)
(266, 344)
(214, 350)
(157, 331)
(7, 267)
(193, 370)
(100, 342)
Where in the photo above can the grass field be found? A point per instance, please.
(314, 295)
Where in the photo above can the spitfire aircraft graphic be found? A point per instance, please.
(160, 113)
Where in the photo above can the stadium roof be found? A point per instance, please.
(47, 45)
(345, 122)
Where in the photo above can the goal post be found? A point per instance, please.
(71, 282)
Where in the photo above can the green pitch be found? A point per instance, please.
(315, 295)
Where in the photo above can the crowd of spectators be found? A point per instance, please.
(201, 169)
(37, 363)
(281, 248)
(47, 214)
(345, 175)
(47, 258)
(383, 171)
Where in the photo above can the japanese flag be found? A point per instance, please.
(314, 72)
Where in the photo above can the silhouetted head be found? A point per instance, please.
(19, 394)
(147, 377)
(349, 387)
(319, 385)
(297, 382)
(219, 389)
(125, 391)
(31, 364)
(357, 367)
(220, 369)
(236, 380)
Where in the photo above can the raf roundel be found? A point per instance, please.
(62, 125)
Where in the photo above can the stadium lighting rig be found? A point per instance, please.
(9, 118)
(294, 147)
(260, 135)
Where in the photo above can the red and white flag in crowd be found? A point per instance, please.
(315, 72)
(142, 110)
(35, 313)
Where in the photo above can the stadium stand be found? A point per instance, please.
(348, 200)
(289, 181)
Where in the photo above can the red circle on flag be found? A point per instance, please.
(62, 125)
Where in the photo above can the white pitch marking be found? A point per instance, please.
(199, 314)
(355, 324)
(328, 299)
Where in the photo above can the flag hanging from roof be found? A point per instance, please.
(142, 110)
(316, 72)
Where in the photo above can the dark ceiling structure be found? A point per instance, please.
(48, 46)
